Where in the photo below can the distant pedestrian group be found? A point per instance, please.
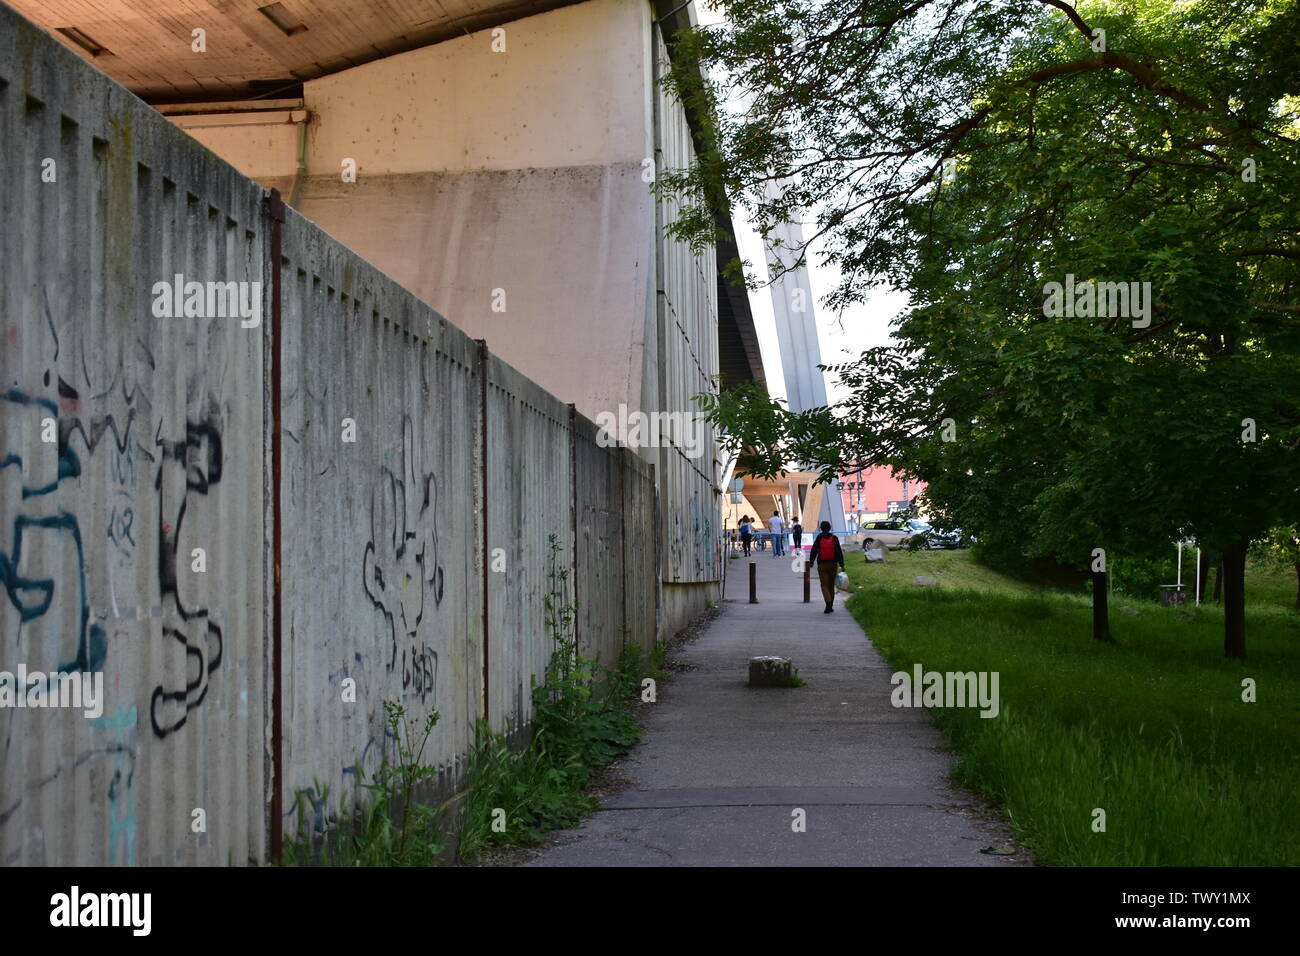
(776, 531)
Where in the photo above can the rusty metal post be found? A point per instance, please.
(622, 537)
(753, 583)
(573, 516)
(483, 369)
(275, 210)
(807, 583)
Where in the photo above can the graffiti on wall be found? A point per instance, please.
(44, 556)
(51, 447)
(400, 573)
(702, 533)
(121, 786)
(187, 469)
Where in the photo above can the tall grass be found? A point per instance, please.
(1152, 730)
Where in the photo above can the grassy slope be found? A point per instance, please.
(1151, 729)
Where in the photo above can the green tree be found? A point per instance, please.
(971, 153)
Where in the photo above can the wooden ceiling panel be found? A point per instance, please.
(147, 43)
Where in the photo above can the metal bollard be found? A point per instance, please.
(807, 584)
(753, 583)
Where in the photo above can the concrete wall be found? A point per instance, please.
(390, 575)
(529, 466)
(400, 438)
(570, 89)
(262, 142)
(502, 188)
(564, 252)
(687, 360)
(505, 189)
(382, 499)
(158, 450)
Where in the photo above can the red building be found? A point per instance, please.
(875, 491)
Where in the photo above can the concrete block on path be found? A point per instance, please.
(769, 672)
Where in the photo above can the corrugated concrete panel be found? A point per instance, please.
(599, 560)
(380, 487)
(530, 494)
(548, 476)
(156, 452)
(640, 573)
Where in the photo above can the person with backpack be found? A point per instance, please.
(746, 533)
(796, 529)
(828, 556)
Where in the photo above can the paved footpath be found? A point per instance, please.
(723, 767)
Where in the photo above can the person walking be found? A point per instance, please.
(828, 556)
(746, 533)
(797, 530)
(777, 527)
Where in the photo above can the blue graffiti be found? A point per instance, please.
(121, 789)
(32, 597)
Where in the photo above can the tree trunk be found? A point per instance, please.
(1297, 585)
(1203, 576)
(1100, 615)
(1234, 600)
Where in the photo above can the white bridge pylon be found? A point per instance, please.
(796, 333)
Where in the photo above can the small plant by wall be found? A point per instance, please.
(395, 828)
(580, 722)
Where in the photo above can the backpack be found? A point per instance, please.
(826, 548)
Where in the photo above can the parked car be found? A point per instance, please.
(947, 540)
(889, 533)
(896, 533)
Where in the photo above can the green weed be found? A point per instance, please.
(519, 794)
(394, 828)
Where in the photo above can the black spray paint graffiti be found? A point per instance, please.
(186, 467)
(419, 670)
(400, 572)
